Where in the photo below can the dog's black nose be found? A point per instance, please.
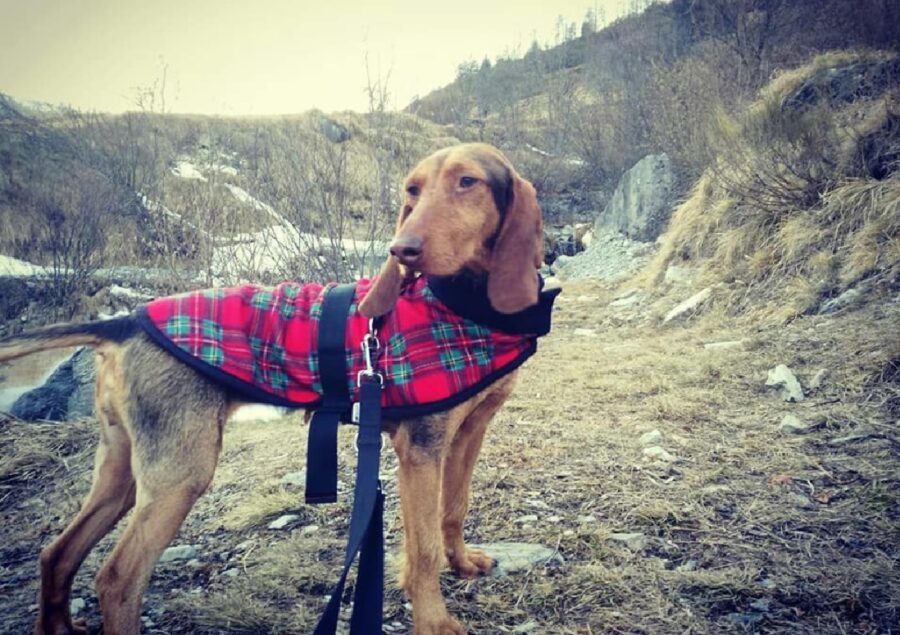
(407, 249)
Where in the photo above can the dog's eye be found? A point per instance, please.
(467, 181)
(413, 190)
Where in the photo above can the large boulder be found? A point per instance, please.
(641, 205)
(67, 394)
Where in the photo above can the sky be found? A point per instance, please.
(260, 57)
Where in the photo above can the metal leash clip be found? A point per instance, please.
(370, 347)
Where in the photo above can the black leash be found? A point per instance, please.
(366, 521)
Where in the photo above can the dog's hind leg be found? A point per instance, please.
(177, 419)
(458, 468)
(111, 496)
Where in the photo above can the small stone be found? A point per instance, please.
(516, 556)
(689, 306)
(585, 332)
(723, 346)
(179, 552)
(632, 541)
(76, 606)
(554, 519)
(529, 518)
(284, 521)
(799, 500)
(782, 378)
(654, 437)
(791, 424)
(297, 479)
(659, 454)
(816, 382)
(309, 529)
(584, 520)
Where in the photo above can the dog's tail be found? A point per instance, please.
(63, 335)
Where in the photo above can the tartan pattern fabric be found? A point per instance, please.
(267, 337)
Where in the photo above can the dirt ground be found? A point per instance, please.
(746, 529)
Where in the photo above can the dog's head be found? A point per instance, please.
(465, 208)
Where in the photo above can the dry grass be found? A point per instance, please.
(790, 207)
(749, 530)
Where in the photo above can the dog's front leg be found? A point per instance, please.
(420, 453)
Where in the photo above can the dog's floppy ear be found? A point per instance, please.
(385, 290)
(518, 252)
(383, 293)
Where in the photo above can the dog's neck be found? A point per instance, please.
(466, 295)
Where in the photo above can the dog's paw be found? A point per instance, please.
(471, 563)
(443, 626)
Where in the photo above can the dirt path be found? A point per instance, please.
(745, 529)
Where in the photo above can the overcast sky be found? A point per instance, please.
(259, 57)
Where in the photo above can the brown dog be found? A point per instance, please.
(161, 422)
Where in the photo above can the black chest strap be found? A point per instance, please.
(366, 521)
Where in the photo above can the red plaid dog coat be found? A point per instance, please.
(262, 342)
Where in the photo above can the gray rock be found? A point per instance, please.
(333, 131)
(67, 394)
(688, 307)
(284, 521)
(632, 541)
(516, 556)
(792, 424)
(847, 299)
(654, 437)
(179, 552)
(642, 203)
(786, 382)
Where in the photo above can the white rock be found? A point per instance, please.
(723, 346)
(816, 382)
(658, 453)
(283, 521)
(689, 306)
(516, 556)
(654, 437)
(782, 378)
(297, 479)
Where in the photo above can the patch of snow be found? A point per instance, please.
(187, 170)
(10, 266)
(258, 412)
(244, 197)
(125, 292)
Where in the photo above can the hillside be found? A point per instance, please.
(580, 113)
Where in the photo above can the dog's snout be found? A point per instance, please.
(407, 249)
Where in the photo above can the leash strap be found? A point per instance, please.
(366, 522)
(321, 449)
(366, 527)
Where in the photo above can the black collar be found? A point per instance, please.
(466, 295)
